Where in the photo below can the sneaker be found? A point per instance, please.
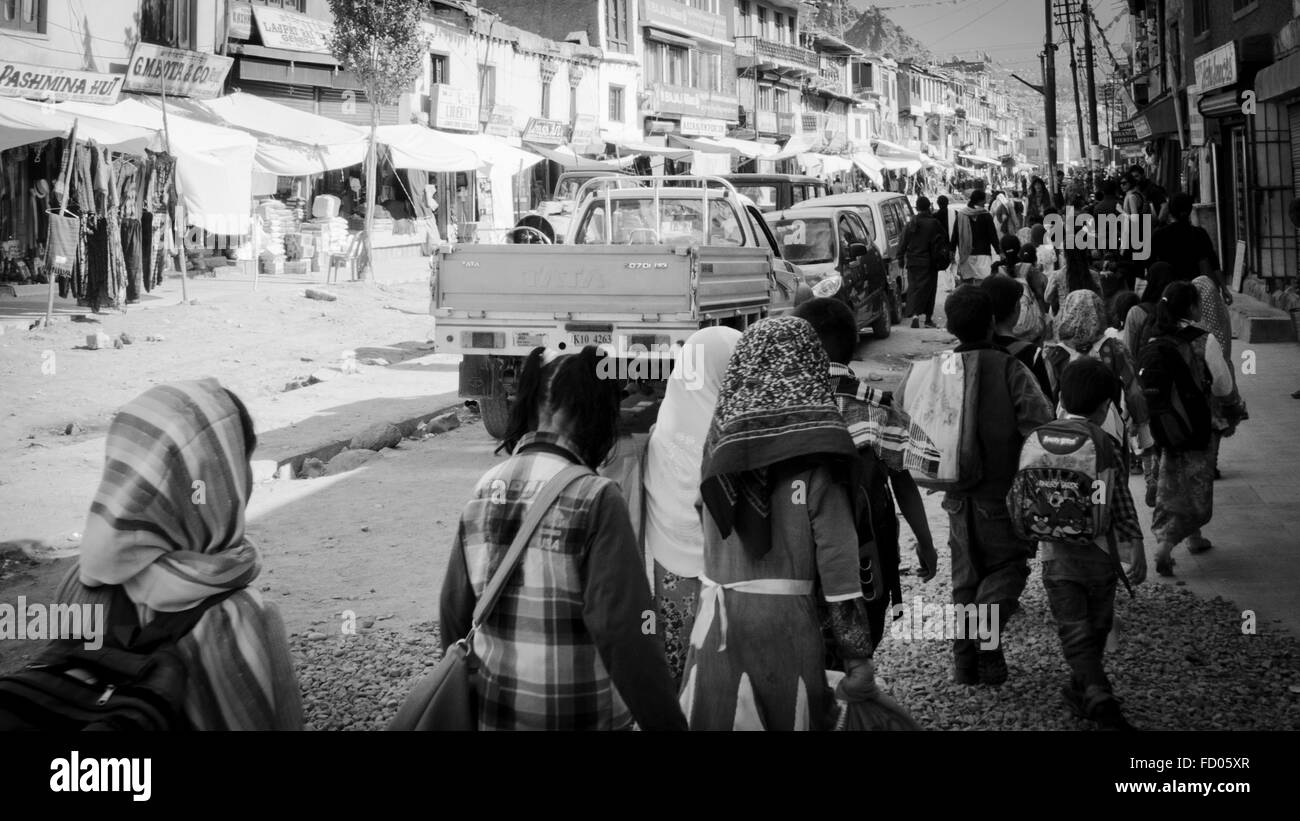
(992, 667)
(1109, 717)
(916, 322)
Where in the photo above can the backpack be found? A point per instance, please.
(1176, 398)
(940, 252)
(1032, 324)
(1064, 487)
(136, 681)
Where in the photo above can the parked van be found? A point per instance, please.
(886, 214)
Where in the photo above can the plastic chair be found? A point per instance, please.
(347, 258)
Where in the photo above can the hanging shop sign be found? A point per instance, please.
(292, 31)
(1195, 119)
(58, 84)
(502, 121)
(546, 132)
(1124, 134)
(454, 108)
(1142, 128)
(703, 127)
(1217, 68)
(241, 21)
(154, 69)
(586, 131)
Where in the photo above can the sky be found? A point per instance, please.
(1010, 31)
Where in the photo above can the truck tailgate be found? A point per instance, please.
(733, 278)
(564, 278)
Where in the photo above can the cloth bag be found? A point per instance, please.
(445, 698)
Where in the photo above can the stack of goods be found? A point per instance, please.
(277, 222)
(327, 232)
(298, 206)
(383, 224)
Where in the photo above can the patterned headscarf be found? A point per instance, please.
(167, 522)
(1082, 321)
(776, 405)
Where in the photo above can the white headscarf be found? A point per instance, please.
(673, 534)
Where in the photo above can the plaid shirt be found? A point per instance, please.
(874, 422)
(567, 627)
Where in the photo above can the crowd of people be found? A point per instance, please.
(746, 580)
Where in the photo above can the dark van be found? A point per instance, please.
(777, 192)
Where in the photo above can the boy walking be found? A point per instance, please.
(996, 403)
(1080, 579)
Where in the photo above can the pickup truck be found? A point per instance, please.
(552, 217)
(642, 269)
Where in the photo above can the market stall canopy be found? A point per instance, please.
(571, 161)
(494, 151)
(895, 157)
(23, 122)
(290, 143)
(975, 158)
(819, 165)
(796, 145)
(214, 165)
(726, 145)
(633, 147)
(870, 165)
(424, 149)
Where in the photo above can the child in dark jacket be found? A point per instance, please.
(1080, 579)
(1002, 404)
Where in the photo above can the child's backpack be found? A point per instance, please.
(1032, 324)
(1063, 489)
(1176, 397)
(136, 681)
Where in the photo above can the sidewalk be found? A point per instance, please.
(1256, 527)
(48, 490)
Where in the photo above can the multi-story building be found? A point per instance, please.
(1215, 87)
(875, 82)
(772, 66)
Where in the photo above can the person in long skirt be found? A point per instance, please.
(674, 537)
(779, 536)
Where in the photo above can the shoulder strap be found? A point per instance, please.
(540, 505)
(1015, 348)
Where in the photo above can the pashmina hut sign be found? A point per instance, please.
(57, 84)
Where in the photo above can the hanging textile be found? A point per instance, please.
(129, 184)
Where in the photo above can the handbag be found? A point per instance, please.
(444, 699)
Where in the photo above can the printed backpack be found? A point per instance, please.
(1176, 399)
(1063, 489)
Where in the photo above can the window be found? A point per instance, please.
(765, 98)
(762, 22)
(778, 23)
(744, 19)
(1176, 50)
(546, 98)
(617, 25)
(288, 5)
(782, 101)
(573, 105)
(167, 23)
(23, 15)
(438, 74)
(790, 28)
(616, 104)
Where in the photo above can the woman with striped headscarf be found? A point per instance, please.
(167, 530)
(779, 534)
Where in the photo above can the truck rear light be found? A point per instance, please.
(482, 339)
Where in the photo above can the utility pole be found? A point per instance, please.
(1093, 162)
(1049, 84)
(1065, 16)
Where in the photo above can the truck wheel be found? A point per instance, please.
(882, 326)
(495, 412)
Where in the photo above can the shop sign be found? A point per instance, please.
(1288, 38)
(682, 17)
(1124, 134)
(454, 108)
(502, 121)
(1141, 128)
(292, 31)
(1195, 119)
(58, 84)
(670, 99)
(546, 132)
(585, 131)
(703, 127)
(1217, 68)
(241, 21)
(180, 73)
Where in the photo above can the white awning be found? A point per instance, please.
(796, 145)
(870, 165)
(495, 151)
(570, 160)
(23, 122)
(975, 158)
(634, 147)
(424, 149)
(727, 145)
(821, 165)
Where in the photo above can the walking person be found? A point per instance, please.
(566, 646)
(150, 547)
(1187, 248)
(1180, 470)
(1040, 199)
(923, 248)
(674, 537)
(976, 238)
(1214, 299)
(779, 534)
(1000, 404)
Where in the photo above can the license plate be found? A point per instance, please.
(581, 340)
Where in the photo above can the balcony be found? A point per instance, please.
(779, 57)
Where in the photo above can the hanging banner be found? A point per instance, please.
(58, 84)
(292, 31)
(241, 21)
(181, 73)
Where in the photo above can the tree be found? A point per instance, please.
(382, 43)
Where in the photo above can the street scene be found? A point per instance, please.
(928, 365)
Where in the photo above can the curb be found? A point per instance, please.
(330, 450)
